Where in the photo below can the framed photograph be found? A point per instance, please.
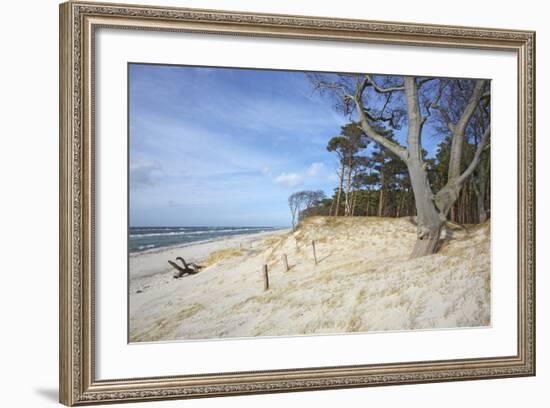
(256, 203)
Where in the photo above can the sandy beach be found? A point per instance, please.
(364, 281)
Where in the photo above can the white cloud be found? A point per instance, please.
(314, 173)
(315, 169)
(318, 171)
(289, 179)
(189, 147)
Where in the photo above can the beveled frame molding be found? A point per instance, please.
(78, 22)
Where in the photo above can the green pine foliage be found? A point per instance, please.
(380, 183)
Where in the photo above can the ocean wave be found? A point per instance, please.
(202, 232)
(145, 243)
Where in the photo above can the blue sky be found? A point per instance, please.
(226, 146)
(213, 146)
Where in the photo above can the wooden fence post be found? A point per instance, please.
(266, 278)
(285, 262)
(314, 253)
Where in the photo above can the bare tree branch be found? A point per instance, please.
(370, 81)
(381, 118)
(483, 143)
(423, 81)
(460, 129)
(443, 112)
(371, 133)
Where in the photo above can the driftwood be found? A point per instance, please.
(191, 265)
(187, 269)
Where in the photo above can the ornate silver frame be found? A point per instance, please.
(78, 22)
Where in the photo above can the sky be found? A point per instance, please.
(225, 146)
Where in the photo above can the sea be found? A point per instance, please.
(151, 238)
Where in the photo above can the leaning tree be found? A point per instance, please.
(301, 201)
(416, 103)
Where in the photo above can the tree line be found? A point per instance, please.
(379, 175)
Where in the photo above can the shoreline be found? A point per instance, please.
(152, 262)
(204, 241)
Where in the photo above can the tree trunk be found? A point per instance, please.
(400, 206)
(459, 130)
(448, 195)
(431, 211)
(340, 189)
(331, 207)
(381, 196)
(293, 212)
(481, 209)
(480, 188)
(428, 221)
(348, 186)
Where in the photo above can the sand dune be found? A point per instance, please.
(363, 282)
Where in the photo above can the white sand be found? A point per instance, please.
(363, 282)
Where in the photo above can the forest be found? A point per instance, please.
(384, 167)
